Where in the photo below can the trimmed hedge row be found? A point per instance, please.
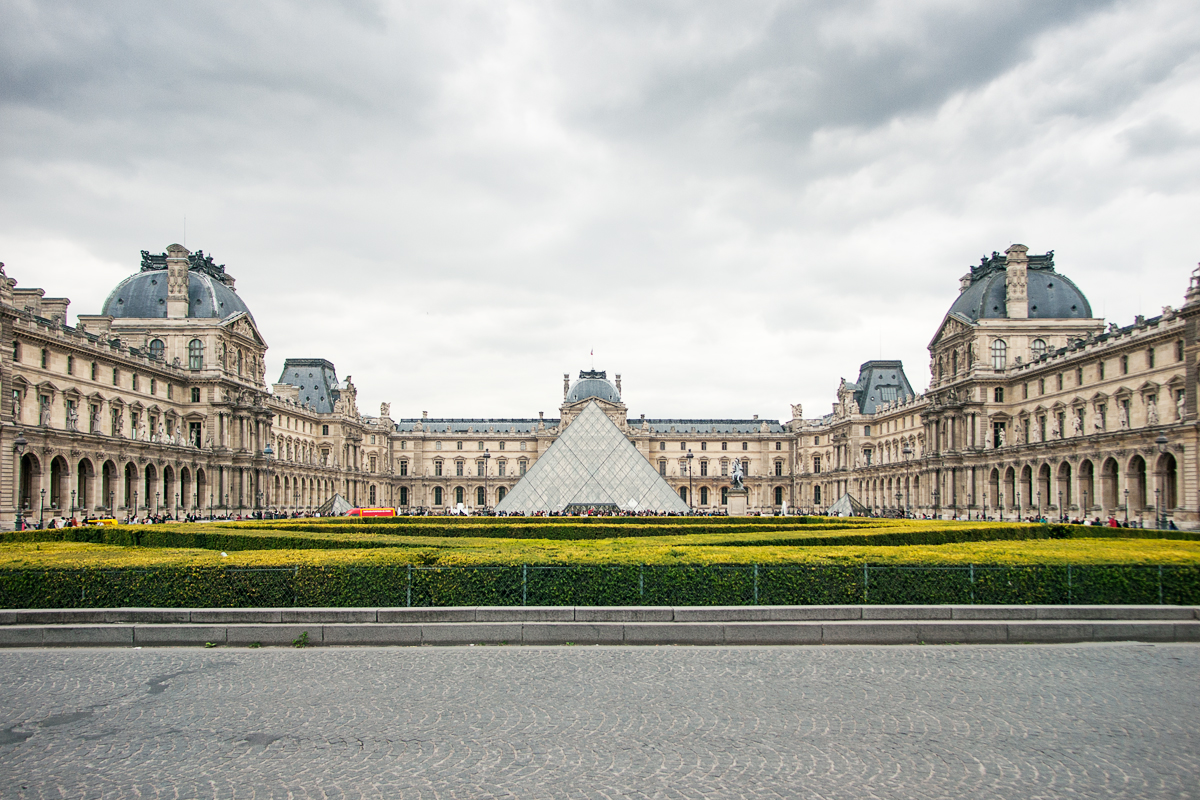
(741, 584)
(227, 537)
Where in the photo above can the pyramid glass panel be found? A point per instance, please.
(591, 463)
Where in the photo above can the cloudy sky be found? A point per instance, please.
(733, 204)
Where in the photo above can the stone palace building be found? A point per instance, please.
(159, 404)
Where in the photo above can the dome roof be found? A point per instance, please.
(593, 383)
(144, 295)
(1051, 295)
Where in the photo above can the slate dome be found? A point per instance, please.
(1051, 295)
(144, 295)
(593, 383)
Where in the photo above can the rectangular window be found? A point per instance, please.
(1025, 391)
(153, 386)
(703, 469)
(662, 445)
(779, 445)
(479, 468)
(724, 468)
(459, 445)
(779, 464)
(371, 463)
(403, 468)
(403, 445)
(745, 446)
(662, 467)
(116, 377)
(1100, 369)
(1041, 386)
(816, 440)
(403, 495)
(170, 391)
(522, 445)
(724, 445)
(998, 394)
(194, 433)
(683, 445)
(480, 447)
(1060, 381)
(93, 370)
(45, 358)
(502, 445)
(458, 468)
(866, 430)
(816, 464)
(1079, 376)
(500, 467)
(324, 429)
(195, 394)
(1179, 350)
(704, 445)
(71, 363)
(522, 466)
(437, 468)
(1149, 358)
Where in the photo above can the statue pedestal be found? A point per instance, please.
(737, 502)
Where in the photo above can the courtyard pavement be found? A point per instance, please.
(1077, 721)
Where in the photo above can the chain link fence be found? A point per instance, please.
(632, 585)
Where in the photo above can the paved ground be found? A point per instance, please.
(830, 722)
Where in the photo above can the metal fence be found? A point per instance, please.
(632, 585)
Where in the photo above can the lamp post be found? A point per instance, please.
(1039, 502)
(1062, 512)
(1000, 494)
(156, 496)
(112, 505)
(135, 503)
(1018, 502)
(936, 505)
(487, 456)
(899, 498)
(42, 523)
(19, 445)
(210, 507)
(1161, 513)
(72, 504)
(907, 452)
(690, 456)
(1126, 508)
(268, 451)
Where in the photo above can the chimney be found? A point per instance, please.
(177, 281)
(1016, 286)
(618, 384)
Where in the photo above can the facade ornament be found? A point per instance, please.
(1003, 438)
(385, 410)
(736, 473)
(72, 418)
(1180, 400)
(1122, 416)
(16, 406)
(1055, 431)
(142, 435)
(1017, 429)
(95, 421)
(1078, 423)
(797, 411)
(1152, 412)
(44, 414)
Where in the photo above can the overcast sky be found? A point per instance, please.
(733, 204)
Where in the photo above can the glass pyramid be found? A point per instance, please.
(592, 464)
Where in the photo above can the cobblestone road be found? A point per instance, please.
(827, 722)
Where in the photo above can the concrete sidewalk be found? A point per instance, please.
(583, 625)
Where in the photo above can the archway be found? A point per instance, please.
(153, 495)
(1064, 500)
(1137, 484)
(1167, 473)
(1109, 480)
(59, 486)
(185, 487)
(201, 488)
(1087, 485)
(31, 475)
(108, 488)
(169, 490)
(1042, 497)
(993, 495)
(85, 478)
(131, 484)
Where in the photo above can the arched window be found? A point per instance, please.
(953, 364)
(500, 494)
(459, 495)
(999, 354)
(195, 354)
(239, 362)
(157, 348)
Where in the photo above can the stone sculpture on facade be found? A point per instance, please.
(1152, 412)
(736, 474)
(44, 415)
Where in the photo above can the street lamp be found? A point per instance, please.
(43, 510)
(1062, 512)
(210, 507)
(1001, 495)
(899, 497)
(907, 452)
(72, 504)
(135, 503)
(487, 455)
(156, 496)
(1161, 513)
(690, 456)
(268, 451)
(1126, 508)
(936, 505)
(175, 514)
(112, 504)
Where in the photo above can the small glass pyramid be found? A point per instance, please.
(592, 464)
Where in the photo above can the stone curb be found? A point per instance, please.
(629, 614)
(874, 632)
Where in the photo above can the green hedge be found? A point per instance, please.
(300, 537)
(739, 584)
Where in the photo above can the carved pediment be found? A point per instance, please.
(241, 325)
